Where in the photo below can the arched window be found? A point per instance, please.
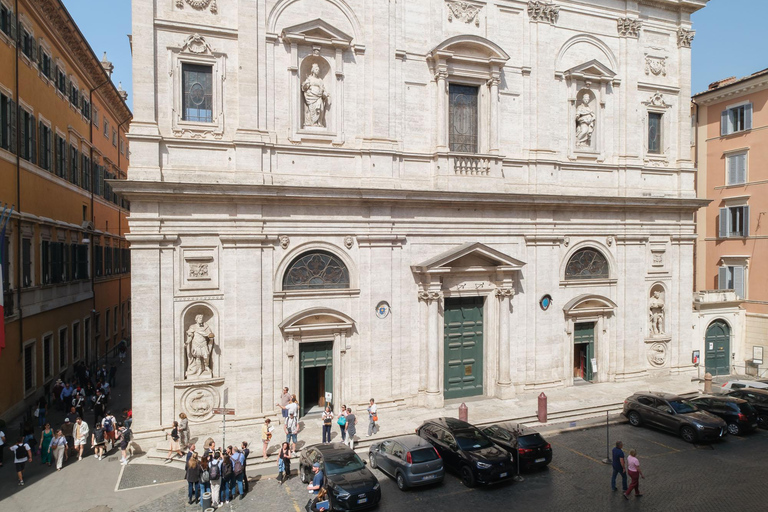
(317, 270)
(587, 263)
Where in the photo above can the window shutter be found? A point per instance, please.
(748, 116)
(745, 213)
(41, 132)
(738, 281)
(33, 47)
(49, 148)
(33, 140)
(40, 56)
(14, 25)
(723, 231)
(742, 175)
(730, 169)
(12, 117)
(722, 278)
(23, 134)
(724, 123)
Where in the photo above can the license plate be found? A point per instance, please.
(364, 500)
(428, 477)
(541, 460)
(503, 475)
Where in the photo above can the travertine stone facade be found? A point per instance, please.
(367, 169)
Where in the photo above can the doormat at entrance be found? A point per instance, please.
(143, 475)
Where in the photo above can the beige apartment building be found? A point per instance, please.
(731, 152)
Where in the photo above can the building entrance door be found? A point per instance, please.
(583, 350)
(463, 335)
(717, 348)
(316, 375)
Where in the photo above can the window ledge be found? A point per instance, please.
(302, 294)
(588, 282)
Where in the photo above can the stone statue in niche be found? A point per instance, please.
(657, 313)
(316, 99)
(585, 122)
(199, 346)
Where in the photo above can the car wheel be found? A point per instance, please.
(372, 460)
(400, 479)
(303, 475)
(634, 419)
(688, 434)
(467, 478)
(733, 429)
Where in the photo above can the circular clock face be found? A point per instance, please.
(382, 309)
(545, 302)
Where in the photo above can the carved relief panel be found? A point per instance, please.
(199, 268)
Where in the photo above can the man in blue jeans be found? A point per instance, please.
(619, 466)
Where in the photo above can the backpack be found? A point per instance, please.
(342, 420)
(126, 435)
(215, 473)
(99, 435)
(238, 468)
(108, 425)
(205, 476)
(226, 470)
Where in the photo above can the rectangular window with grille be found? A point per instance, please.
(463, 118)
(28, 136)
(654, 133)
(197, 98)
(26, 262)
(7, 123)
(6, 20)
(61, 156)
(46, 147)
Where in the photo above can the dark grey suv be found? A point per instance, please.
(674, 414)
(410, 460)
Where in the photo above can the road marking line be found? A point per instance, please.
(665, 446)
(556, 468)
(288, 492)
(578, 453)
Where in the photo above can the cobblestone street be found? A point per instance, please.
(720, 477)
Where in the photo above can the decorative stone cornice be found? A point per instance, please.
(543, 12)
(199, 5)
(503, 293)
(428, 297)
(464, 11)
(657, 100)
(685, 37)
(629, 27)
(196, 44)
(62, 24)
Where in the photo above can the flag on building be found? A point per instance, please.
(3, 221)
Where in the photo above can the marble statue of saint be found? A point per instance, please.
(585, 122)
(657, 313)
(316, 98)
(199, 345)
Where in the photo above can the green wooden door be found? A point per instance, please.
(463, 347)
(314, 358)
(717, 348)
(584, 347)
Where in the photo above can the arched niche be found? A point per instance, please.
(657, 310)
(286, 13)
(200, 325)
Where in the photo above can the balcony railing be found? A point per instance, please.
(471, 165)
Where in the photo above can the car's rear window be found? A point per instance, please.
(423, 455)
(746, 408)
(530, 440)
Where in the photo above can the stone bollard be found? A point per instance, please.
(464, 412)
(542, 413)
(708, 382)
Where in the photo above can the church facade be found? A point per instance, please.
(417, 201)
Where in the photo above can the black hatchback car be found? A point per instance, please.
(674, 414)
(529, 446)
(757, 398)
(737, 413)
(467, 451)
(350, 484)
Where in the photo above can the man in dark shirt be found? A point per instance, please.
(619, 466)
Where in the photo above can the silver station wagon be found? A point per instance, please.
(410, 460)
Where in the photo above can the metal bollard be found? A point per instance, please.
(206, 500)
(542, 413)
(464, 412)
(708, 382)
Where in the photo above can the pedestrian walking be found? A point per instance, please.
(99, 406)
(619, 466)
(121, 351)
(318, 480)
(81, 436)
(192, 477)
(327, 423)
(351, 428)
(215, 475)
(58, 448)
(98, 441)
(633, 468)
(342, 422)
(66, 396)
(291, 428)
(266, 437)
(124, 436)
(175, 446)
(373, 417)
(246, 452)
(78, 402)
(184, 429)
(109, 424)
(284, 463)
(2, 446)
(22, 454)
(42, 409)
(45, 444)
(190, 452)
(227, 478)
(68, 428)
(285, 399)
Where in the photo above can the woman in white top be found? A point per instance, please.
(327, 422)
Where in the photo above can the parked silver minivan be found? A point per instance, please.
(410, 460)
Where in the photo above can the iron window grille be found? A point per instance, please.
(587, 264)
(463, 114)
(197, 87)
(318, 270)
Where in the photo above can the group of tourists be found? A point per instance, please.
(220, 472)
